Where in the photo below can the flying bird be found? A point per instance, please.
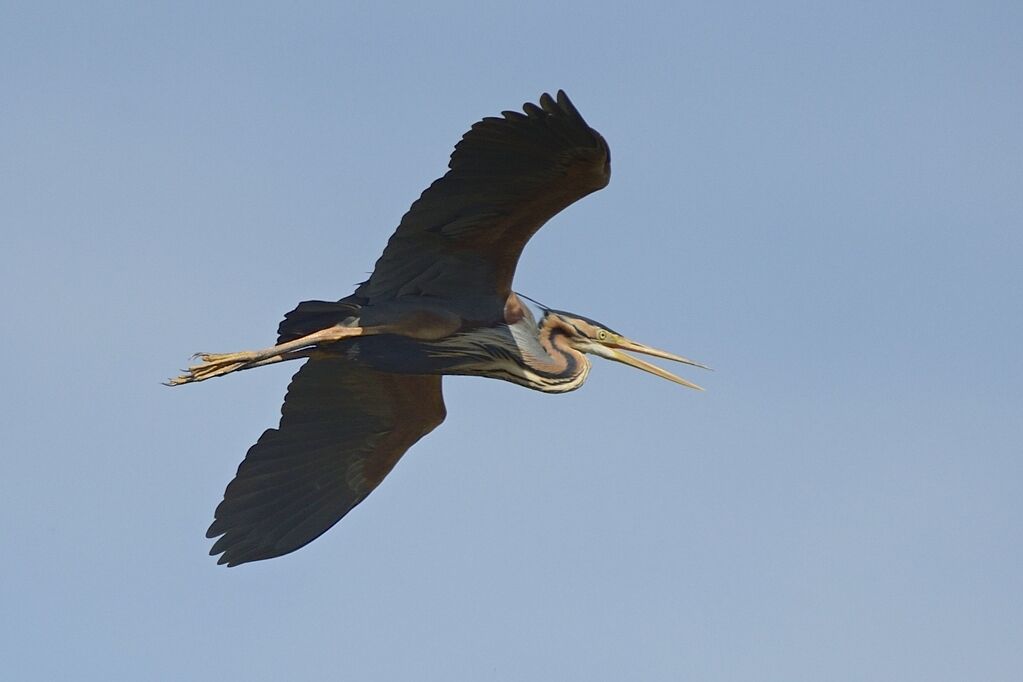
(438, 302)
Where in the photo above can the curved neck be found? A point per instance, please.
(540, 357)
(561, 367)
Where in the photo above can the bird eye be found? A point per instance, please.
(601, 335)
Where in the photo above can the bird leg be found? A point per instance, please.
(219, 364)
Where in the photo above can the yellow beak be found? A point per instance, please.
(613, 351)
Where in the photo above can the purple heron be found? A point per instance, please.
(439, 302)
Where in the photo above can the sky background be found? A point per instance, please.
(823, 201)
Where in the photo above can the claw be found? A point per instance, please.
(212, 365)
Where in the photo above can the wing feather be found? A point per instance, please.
(461, 240)
(343, 427)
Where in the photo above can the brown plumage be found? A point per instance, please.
(438, 302)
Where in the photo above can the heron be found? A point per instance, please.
(438, 302)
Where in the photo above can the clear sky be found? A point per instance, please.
(823, 201)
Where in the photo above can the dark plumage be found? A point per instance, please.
(438, 302)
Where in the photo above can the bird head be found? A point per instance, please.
(590, 336)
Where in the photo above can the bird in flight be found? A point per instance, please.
(438, 302)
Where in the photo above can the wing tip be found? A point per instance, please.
(565, 103)
(559, 104)
(238, 551)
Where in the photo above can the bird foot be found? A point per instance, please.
(215, 365)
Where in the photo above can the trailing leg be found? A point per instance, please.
(219, 364)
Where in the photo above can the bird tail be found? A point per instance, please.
(312, 316)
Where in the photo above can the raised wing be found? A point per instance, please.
(343, 428)
(462, 238)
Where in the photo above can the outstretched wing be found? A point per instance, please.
(343, 427)
(508, 176)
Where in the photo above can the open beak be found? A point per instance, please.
(613, 351)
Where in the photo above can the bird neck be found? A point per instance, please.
(560, 366)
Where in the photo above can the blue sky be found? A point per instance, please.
(823, 201)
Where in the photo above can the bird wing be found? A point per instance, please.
(343, 427)
(508, 176)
